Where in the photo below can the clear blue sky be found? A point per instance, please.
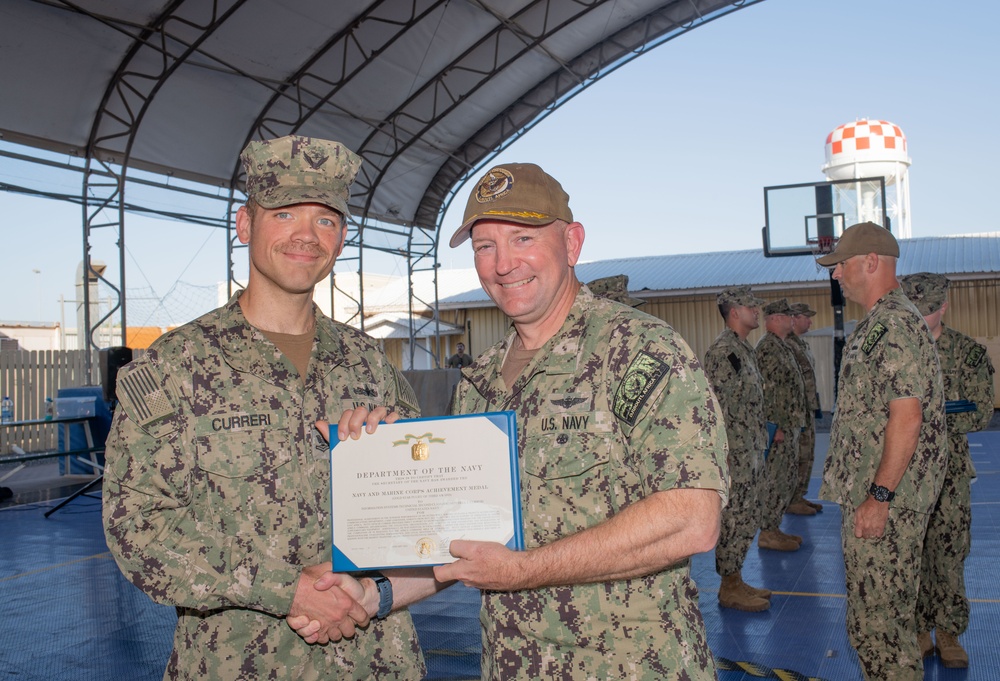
(670, 153)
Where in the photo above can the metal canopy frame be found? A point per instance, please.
(427, 92)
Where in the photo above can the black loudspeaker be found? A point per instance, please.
(111, 360)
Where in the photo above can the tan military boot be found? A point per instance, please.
(818, 507)
(732, 595)
(771, 539)
(951, 652)
(800, 507)
(754, 591)
(925, 643)
(793, 537)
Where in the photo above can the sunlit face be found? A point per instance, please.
(850, 275)
(801, 323)
(293, 247)
(747, 318)
(527, 271)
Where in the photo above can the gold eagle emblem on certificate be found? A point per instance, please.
(425, 547)
(420, 451)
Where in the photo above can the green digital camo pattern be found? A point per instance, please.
(217, 494)
(731, 368)
(807, 440)
(882, 581)
(968, 375)
(889, 356)
(612, 409)
(784, 405)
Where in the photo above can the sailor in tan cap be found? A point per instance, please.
(888, 454)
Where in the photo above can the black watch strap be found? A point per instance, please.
(384, 587)
(880, 493)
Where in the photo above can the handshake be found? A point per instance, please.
(329, 606)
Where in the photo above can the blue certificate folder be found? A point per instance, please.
(400, 495)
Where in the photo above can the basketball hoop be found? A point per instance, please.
(820, 246)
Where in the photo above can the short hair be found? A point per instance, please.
(724, 309)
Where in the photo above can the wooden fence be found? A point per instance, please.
(28, 378)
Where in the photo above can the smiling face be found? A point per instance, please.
(528, 272)
(291, 248)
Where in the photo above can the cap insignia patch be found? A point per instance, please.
(495, 184)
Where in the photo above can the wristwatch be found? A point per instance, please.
(384, 587)
(880, 493)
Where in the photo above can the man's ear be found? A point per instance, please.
(575, 234)
(243, 225)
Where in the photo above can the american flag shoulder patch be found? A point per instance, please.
(143, 394)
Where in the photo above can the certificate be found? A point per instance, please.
(400, 495)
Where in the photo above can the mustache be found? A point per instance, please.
(304, 249)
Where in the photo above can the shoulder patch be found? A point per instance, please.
(975, 356)
(873, 337)
(641, 378)
(735, 361)
(405, 395)
(143, 394)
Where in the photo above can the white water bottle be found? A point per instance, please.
(7, 410)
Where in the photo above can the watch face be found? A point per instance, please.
(880, 493)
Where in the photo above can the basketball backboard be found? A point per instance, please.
(803, 219)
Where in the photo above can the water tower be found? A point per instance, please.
(871, 148)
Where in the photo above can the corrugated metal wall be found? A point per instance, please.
(974, 309)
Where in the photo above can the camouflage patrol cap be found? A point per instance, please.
(802, 309)
(926, 290)
(289, 170)
(614, 288)
(515, 192)
(740, 296)
(778, 307)
(862, 239)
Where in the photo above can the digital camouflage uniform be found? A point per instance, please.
(731, 369)
(968, 375)
(611, 409)
(890, 355)
(217, 494)
(807, 439)
(784, 405)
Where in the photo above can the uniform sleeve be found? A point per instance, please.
(893, 346)
(671, 419)
(151, 526)
(975, 376)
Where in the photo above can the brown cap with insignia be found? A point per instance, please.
(515, 192)
(862, 239)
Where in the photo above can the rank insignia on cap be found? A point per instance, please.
(641, 378)
(143, 397)
(873, 337)
(495, 184)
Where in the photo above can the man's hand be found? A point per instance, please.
(870, 519)
(484, 565)
(329, 615)
(779, 436)
(352, 420)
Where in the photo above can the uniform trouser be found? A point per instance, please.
(781, 478)
(741, 516)
(807, 452)
(883, 580)
(942, 603)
